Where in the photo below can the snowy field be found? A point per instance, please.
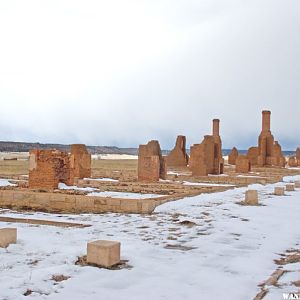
(204, 247)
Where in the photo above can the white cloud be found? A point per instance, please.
(122, 72)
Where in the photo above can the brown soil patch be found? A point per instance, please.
(188, 223)
(42, 222)
(60, 278)
(123, 264)
(292, 258)
(179, 247)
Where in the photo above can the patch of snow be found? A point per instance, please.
(5, 182)
(291, 178)
(102, 179)
(63, 186)
(176, 173)
(219, 175)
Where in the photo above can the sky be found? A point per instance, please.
(121, 73)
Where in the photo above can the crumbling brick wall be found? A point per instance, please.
(293, 162)
(298, 153)
(268, 152)
(233, 156)
(80, 161)
(218, 157)
(202, 157)
(151, 164)
(178, 156)
(47, 168)
(206, 158)
(242, 164)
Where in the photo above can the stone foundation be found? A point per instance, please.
(68, 203)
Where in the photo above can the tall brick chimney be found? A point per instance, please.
(216, 127)
(266, 120)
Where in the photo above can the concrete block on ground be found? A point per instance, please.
(290, 187)
(103, 253)
(8, 236)
(279, 191)
(251, 197)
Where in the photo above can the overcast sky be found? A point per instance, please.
(123, 72)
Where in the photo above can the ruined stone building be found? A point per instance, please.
(298, 153)
(233, 156)
(242, 164)
(202, 157)
(81, 161)
(294, 161)
(151, 164)
(206, 158)
(178, 156)
(268, 152)
(47, 168)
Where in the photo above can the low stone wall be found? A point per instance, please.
(235, 180)
(64, 203)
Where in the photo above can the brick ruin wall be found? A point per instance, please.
(243, 164)
(233, 156)
(178, 156)
(47, 168)
(206, 158)
(151, 164)
(268, 152)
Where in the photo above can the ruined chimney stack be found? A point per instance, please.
(216, 127)
(266, 120)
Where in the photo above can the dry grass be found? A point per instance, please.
(20, 167)
(114, 164)
(13, 167)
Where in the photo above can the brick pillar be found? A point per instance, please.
(266, 120)
(216, 127)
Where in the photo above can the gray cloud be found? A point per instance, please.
(123, 72)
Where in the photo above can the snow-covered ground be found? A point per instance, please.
(63, 186)
(102, 179)
(5, 182)
(223, 252)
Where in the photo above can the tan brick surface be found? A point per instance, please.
(103, 253)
